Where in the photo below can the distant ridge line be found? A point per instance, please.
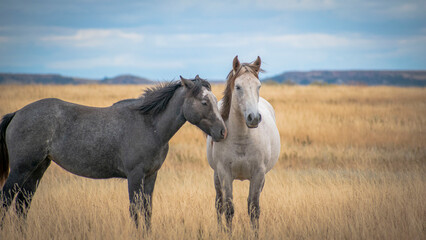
(25, 78)
(320, 77)
(353, 77)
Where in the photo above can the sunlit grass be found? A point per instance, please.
(352, 166)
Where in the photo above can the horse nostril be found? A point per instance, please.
(223, 132)
(250, 117)
(260, 117)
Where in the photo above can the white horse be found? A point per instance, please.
(252, 146)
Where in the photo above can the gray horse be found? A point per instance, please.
(126, 140)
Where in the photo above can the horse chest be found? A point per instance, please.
(241, 169)
(244, 159)
(240, 156)
(150, 159)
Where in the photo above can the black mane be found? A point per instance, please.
(155, 99)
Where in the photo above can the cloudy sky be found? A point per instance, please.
(164, 39)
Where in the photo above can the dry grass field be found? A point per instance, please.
(352, 166)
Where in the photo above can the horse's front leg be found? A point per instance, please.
(219, 200)
(148, 189)
(141, 188)
(226, 180)
(256, 186)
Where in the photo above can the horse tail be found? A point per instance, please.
(4, 155)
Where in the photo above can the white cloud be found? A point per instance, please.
(398, 9)
(94, 37)
(316, 40)
(128, 61)
(3, 39)
(381, 9)
(230, 40)
(159, 54)
(295, 4)
(121, 41)
(130, 41)
(347, 8)
(235, 5)
(411, 46)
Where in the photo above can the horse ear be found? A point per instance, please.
(197, 77)
(256, 64)
(186, 82)
(235, 64)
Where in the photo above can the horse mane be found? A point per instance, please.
(155, 99)
(230, 83)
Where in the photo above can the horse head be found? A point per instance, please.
(200, 108)
(244, 84)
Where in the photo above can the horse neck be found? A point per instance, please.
(168, 122)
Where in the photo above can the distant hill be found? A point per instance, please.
(394, 78)
(126, 79)
(12, 78)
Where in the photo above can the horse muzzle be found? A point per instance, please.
(253, 120)
(219, 134)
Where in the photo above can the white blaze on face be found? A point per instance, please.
(212, 98)
(205, 92)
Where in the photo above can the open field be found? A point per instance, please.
(352, 166)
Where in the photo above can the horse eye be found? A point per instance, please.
(238, 87)
(204, 103)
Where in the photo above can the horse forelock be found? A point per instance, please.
(155, 99)
(199, 84)
(230, 84)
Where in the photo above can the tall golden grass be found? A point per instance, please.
(352, 166)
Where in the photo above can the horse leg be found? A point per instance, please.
(226, 184)
(140, 196)
(256, 186)
(9, 191)
(26, 193)
(22, 179)
(148, 189)
(7, 194)
(219, 200)
(135, 190)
